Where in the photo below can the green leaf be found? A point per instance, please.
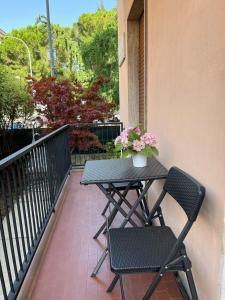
(155, 151)
(149, 151)
(118, 146)
(127, 152)
(132, 136)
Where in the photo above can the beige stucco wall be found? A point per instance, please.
(186, 111)
(123, 8)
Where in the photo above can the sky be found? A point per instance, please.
(19, 13)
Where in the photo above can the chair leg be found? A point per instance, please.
(187, 265)
(152, 287)
(181, 286)
(100, 262)
(121, 288)
(113, 283)
(191, 284)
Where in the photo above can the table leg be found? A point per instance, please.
(117, 207)
(144, 205)
(137, 202)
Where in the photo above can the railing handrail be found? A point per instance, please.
(16, 155)
(95, 124)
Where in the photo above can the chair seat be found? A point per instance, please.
(140, 249)
(121, 186)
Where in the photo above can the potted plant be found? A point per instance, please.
(137, 143)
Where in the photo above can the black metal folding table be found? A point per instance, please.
(110, 172)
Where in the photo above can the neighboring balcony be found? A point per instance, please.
(47, 227)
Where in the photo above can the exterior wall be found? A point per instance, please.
(123, 8)
(141, 71)
(186, 111)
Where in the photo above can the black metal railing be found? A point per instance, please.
(105, 133)
(31, 180)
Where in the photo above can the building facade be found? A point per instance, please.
(172, 82)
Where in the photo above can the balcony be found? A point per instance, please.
(47, 227)
(71, 253)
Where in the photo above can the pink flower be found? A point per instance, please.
(138, 145)
(123, 138)
(118, 139)
(149, 139)
(123, 141)
(124, 133)
(137, 130)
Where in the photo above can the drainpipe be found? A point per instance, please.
(145, 62)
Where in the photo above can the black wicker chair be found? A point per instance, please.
(156, 248)
(121, 187)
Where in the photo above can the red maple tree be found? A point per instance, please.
(63, 102)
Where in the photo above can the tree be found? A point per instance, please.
(63, 102)
(14, 55)
(97, 37)
(82, 53)
(14, 99)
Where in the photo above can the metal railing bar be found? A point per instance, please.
(80, 125)
(14, 218)
(3, 282)
(36, 187)
(6, 253)
(41, 182)
(19, 211)
(9, 229)
(23, 207)
(33, 199)
(30, 199)
(48, 164)
(28, 206)
(44, 166)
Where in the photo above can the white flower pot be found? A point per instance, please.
(139, 160)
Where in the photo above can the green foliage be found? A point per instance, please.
(14, 99)
(14, 54)
(127, 153)
(118, 146)
(111, 151)
(132, 135)
(97, 36)
(82, 53)
(149, 151)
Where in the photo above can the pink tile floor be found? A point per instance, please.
(72, 254)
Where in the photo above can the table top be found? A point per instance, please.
(121, 170)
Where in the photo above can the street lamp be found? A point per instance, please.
(51, 51)
(28, 50)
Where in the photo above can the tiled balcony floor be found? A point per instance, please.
(72, 254)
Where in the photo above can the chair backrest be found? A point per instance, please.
(187, 191)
